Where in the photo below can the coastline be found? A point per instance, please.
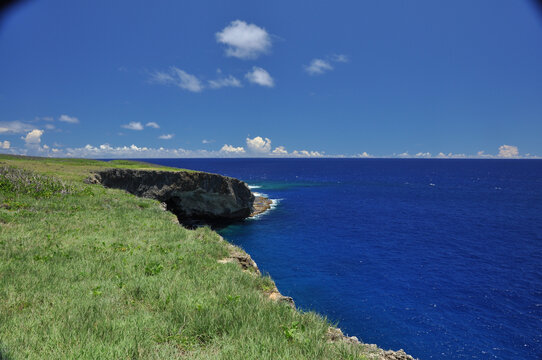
(181, 193)
(263, 204)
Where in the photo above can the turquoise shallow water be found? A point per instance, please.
(440, 257)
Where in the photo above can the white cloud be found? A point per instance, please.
(364, 155)
(204, 141)
(152, 124)
(178, 77)
(259, 145)
(508, 151)
(262, 146)
(260, 76)
(229, 149)
(229, 81)
(341, 58)
(163, 77)
(280, 150)
(428, 155)
(166, 136)
(14, 127)
(423, 155)
(33, 137)
(108, 151)
(482, 154)
(450, 155)
(133, 125)
(318, 66)
(21, 127)
(68, 119)
(244, 41)
(134, 151)
(305, 153)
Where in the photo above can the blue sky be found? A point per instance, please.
(274, 78)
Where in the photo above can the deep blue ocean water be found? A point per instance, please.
(442, 258)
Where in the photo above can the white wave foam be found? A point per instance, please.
(254, 187)
(274, 203)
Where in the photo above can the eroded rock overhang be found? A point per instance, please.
(197, 198)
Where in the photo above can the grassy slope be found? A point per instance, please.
(75, 169)
(100, 274)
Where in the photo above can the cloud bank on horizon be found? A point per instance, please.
(255, 147)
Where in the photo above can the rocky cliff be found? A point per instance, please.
(197, 198)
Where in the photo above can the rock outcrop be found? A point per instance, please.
(244, 260)
(372, 351)
(197, 198)
(261, 204)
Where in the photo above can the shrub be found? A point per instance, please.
(15, 181)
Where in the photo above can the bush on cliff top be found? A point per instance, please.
(14, 181)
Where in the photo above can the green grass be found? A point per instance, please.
(94, 273)
(75, 169)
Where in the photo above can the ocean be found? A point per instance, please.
(442, 258)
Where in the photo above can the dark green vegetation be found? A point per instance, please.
(94, 273)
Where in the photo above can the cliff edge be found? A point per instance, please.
(197, 198)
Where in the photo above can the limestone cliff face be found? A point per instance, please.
(196, 198)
